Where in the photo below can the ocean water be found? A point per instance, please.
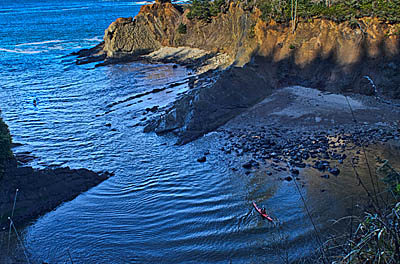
(161, 205)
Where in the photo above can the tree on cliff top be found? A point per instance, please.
(336, 10)
(204, 9)
(291, 10)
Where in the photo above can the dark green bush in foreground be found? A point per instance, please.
(377, 238)
(5, 142)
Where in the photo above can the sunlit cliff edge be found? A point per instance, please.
(318, 53)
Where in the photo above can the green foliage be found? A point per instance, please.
(5, 145)
(252, 33)
(285, 10)
(5, 142)
(281, 10)
(391, 177)
(182, 29)
(205, 9)
(377, 237)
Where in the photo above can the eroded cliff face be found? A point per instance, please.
(331, 56)
(319, 53)
(148, 32)
(157, 25)
(345, 52)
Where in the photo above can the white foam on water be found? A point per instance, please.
(94, 39)
(39, 43)
(57, 47)
(74, 8)
(22, 51)
(143, 3)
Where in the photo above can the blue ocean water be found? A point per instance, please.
(161, 205)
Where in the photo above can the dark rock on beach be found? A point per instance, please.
(282, 133)
(250, 164)
(334, 171)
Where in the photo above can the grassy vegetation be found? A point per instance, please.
(377, 238)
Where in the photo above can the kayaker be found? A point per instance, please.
(263, 210)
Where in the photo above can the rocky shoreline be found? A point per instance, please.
(40, 191)
(299, 127)
(28, 193)
(248, 59)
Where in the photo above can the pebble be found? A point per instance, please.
(288, 178)
(250, 164)
(334, 171)
(296, 147)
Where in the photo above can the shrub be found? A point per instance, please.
(391, 178)
(281, 10)
(204, 9)
(5, 146)
(5, 142)
(377, 238)
(182, 29)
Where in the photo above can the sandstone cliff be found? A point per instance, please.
(344, 52)
(320, 53)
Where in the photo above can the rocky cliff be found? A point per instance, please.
(319, 53)
(157, 25)
(243, 34)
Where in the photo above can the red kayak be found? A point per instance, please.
(263, 215)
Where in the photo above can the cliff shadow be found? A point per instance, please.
(331, 72)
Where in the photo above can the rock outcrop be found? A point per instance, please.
(157, 25)
(239, 32)
(215, 99)
(144, 34)
(40, 191)
(320, 54)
